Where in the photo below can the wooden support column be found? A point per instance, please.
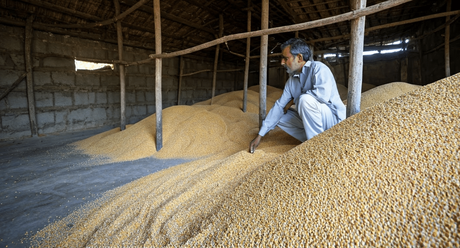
(29, 77)
(121, 68)
(216, 57)
(447, 41)
(158, 69)
(404, 62)
(181, 71)
(355, 76)
(263, 64)
(247, 60)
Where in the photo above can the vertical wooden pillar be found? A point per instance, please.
(216, 58)
(158, 69)
(263, 65)
(29, 77)
(355, 75)
(447, 41)
(122, 70)
(246, 60)
(181, 71)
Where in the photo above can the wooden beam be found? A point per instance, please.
(263, 64)
(246, 61)
(158, 71)
(291, 28)
(102, 23)
(355, 76)
(29, 77)
(122, 69)
(216, 58)
(14, 85)
(447, 41)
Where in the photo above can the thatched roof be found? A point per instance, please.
(188, 23)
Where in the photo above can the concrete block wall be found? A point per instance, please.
(67, 100)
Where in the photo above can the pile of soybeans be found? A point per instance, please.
(387, 176)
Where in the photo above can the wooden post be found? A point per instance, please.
(263, 64)
(29, 76)
(404, 62)
(122, 69)
(246, 61)
(158, 69)
(355, 76)
(181, 71)
(447, 41)
(216, 57)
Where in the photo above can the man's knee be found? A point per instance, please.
(309, 102)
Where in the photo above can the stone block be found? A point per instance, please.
(86, 79)
(17, 100)
(43, 99)
(59, 62)
(78, 115)
(150, 96)
(151, 109)
(114, 113)
(14, 135)
(130, 97)
(91, 97)
(169, 83)
(44, 119)
(16, 123)
(61, 117)
(110, 80)
(81, 98)
(99, 115)
(136, 81)
(62, 99)
(42, 78)
(39, 45)
(140, 96)
(113, 97)
(63, 78)
(139, 110)
(12, 43)
(101, 97)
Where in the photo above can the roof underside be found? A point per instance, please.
(188, 23)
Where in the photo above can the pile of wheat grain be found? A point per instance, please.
(388, 176)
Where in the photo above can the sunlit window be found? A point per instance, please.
(85, 65)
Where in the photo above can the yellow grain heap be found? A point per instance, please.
(384, 92)
(387, 176)
(188, 131)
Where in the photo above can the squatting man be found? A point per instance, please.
(312, 89)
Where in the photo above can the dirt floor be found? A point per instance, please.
(43, 179)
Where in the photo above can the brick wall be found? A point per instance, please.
(68, 100)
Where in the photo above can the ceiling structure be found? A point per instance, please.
(188, 23)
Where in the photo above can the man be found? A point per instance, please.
(313, 90)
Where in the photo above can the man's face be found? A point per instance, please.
(293, 64)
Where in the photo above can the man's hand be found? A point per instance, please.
(288, 105)
(254, 144)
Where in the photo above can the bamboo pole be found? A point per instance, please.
(181, 72)
(263, 64)
(122, 69)
(14, 85)
(246, 61)
(158, 70)
(29, 76)
(216, 58)
(355, 76)
(447, 41)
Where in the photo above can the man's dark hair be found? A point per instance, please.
(298, 46)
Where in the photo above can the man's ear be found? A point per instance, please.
(300, 56)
